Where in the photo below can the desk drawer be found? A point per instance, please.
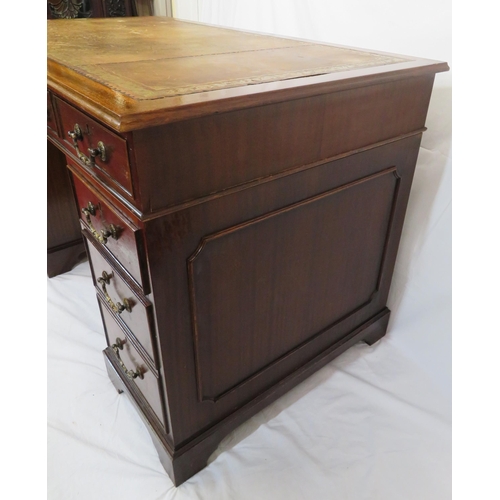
(133, 366)
(111, 229)
(128, 306)
(111, 162)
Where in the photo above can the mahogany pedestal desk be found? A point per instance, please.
(241, 199)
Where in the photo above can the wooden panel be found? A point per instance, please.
(257, 276)
(195, 158)
(174, 238)
(115, 169)
(127, 248)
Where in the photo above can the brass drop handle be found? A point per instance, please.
(89, 210)
(77, 135)
(117, 347)
(111, 230)
(118, 308)
(100, 151)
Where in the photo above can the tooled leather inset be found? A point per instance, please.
(202, 59)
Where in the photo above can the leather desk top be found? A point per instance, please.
(141, 71)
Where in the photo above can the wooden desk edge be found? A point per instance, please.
(124, 114)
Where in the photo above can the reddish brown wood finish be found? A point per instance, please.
(183, 463)
(370, 199)
(260, 222)
(116, 168)
(127, 248)
(139, 320)
(147, 382)
(254, 144)
(262, 272)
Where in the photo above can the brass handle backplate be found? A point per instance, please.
(102, 237)
(118, 308)
(117, 347)
(77, 135)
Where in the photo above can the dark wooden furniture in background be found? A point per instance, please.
(242, 199)
(71, 9)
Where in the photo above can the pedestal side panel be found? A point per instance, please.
(284, 278)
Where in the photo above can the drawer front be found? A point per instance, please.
(127, 305)
(111, 229)
(51, 117)
(114, 169)
(147, 382)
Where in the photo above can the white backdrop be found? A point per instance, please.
(376, 422)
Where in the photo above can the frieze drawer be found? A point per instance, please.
(98, 149)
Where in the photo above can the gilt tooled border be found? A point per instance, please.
(97, 74)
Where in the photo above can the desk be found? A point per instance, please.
(241, 199)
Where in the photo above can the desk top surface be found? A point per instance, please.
(142, 71)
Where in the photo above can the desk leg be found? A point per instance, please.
(378, 329)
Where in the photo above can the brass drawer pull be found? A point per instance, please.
(117, 347)
(119, 307)
(111, 230)
(77, 135)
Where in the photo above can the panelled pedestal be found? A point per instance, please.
(213, 308)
